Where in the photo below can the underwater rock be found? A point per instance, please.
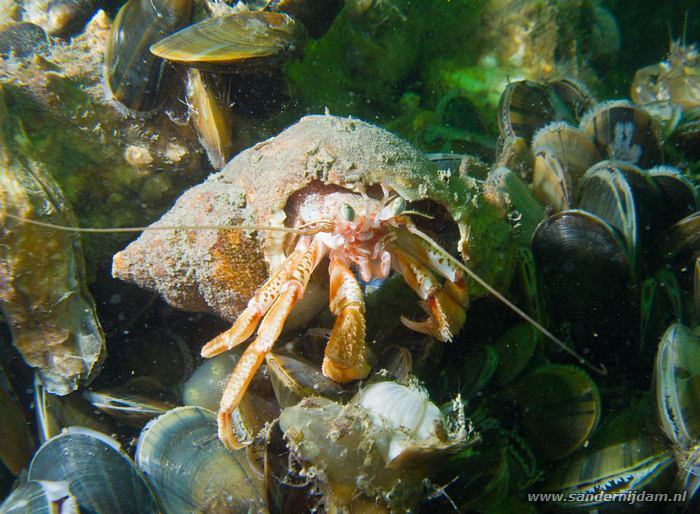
(129, 168)
(43, 291)
(59, 17)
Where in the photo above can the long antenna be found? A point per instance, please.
(65, 228)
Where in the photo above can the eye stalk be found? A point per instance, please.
(397, 206)
(347, 212)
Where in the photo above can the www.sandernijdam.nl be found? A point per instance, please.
(601, 497)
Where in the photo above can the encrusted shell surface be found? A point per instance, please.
(218, 270)
(43, 292)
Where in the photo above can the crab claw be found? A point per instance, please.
(445, 304)
(446, 307)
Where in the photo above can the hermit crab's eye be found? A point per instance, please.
(347, 212)
(397, 206)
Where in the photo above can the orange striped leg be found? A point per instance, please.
(246, 323)
(270, 328)
(345, 358)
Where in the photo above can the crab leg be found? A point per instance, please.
(345, 358)
(430, 255)
(446, 305)
(270, 328)
(245, 324)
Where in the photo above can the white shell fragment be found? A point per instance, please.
(407, 422)
(381, 444)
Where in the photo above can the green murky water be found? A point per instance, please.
(550, 147)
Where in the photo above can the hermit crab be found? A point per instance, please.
(335, 195)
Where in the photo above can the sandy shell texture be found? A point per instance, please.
(217, 271)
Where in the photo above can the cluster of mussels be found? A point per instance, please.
(231, 57)
(602, 236)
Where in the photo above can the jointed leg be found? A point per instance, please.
(270, 328)
(245, 324)
(345, 356)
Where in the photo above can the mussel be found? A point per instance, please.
(135, 77)
(205, 388)
(235, 42)
(625, 132)
(99, 474)
(560, 408)
(191, 470)
(677, 384)
(642, 464)
(40, 497)
(575, 251)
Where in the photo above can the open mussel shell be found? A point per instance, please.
(677, 386)
(521, 200)
(135, 403)
(99, 474)
(571, 98)
(574, 151)
(234, 43)
(689, 479)
(639, 464)
(135, 77)
(683, 237)
(40, 497)
(191, 470)
(54, 413)
(624, 131)
(552, 183)
(481, 364)
(211, 112)
(294, 378)
(584, 268)
(523, 108)
(515, 154)
(661, 303)
(627, 199)
(687, 133)
(559, 408)
(515, 349)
